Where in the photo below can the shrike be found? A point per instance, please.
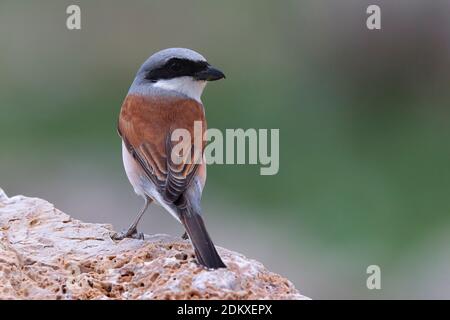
(165, 96)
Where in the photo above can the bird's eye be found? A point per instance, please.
(175, 66)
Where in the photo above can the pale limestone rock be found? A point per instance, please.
(45, 254)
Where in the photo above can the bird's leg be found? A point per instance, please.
(131, 232)
(184, 236)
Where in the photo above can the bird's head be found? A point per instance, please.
(177, 70)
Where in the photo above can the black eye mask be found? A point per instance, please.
(175, 68)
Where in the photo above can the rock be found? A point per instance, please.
(46, 254)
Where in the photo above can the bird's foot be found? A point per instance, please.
(130, 233)
(184, 236)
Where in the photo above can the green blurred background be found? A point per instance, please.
(363, 116)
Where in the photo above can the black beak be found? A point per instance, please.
(209, 74)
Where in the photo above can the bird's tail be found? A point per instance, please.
(205, 251)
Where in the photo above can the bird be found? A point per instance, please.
(164, 96)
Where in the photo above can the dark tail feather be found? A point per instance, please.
(205, 251)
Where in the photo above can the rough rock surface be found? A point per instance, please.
(45, 254)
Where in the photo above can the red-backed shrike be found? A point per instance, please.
(165, 96)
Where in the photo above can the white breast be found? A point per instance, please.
(132, 170)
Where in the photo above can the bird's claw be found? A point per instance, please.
(133, 234)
